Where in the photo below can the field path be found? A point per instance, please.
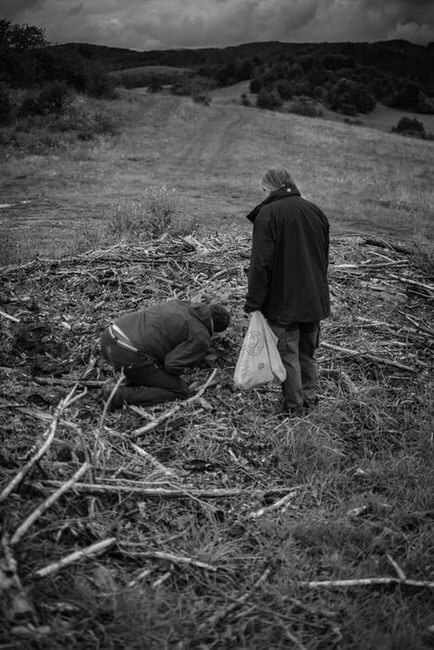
(212, 157)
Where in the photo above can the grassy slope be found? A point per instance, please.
(214, 157)
(368, 446)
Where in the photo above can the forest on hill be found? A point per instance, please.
(349, 78)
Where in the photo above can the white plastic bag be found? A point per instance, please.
(259, 360)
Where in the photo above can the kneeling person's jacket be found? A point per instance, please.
(175, 333)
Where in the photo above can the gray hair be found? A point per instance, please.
(276, 177)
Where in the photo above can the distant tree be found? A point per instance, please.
(256, 85)
(268, 100)
(21, 37)
(284, 88)
(411, 97)
(245, 101)
(411, 127)
(349, 97)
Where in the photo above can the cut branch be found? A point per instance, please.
(367, 582)
(23, 528)
(89, 551)
(371, 357)
(218, 493)
(152, 425)
(69, 399)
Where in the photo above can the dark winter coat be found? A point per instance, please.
(287, 278)
(175, 333)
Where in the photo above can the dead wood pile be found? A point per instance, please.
(71, 474)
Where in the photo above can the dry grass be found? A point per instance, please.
(201, 571)
(213, 158)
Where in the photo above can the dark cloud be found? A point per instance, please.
(149, 24)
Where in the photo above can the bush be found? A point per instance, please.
(51, 99)
(305, 106)
(268, 100)
(245, 101)
(5, 105)
(411, 127)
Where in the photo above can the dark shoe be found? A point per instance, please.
(283, 412)
(309, 404)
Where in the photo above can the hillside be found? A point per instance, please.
(211, 159)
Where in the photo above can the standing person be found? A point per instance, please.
(287, 280)
(154, 345)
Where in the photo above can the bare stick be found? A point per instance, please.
(175, 409)
(14, 600)
(156, 463)
(9, 317)
(107, 404)
(217, 493)
(399, 572)
(30, 520)
(176, 559)
(372, 357)
(278, 504)
(49, 439)
(363, 582)
(414, 283)
(89, 551)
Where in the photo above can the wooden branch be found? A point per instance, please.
(9, 317)
(107, 404)
(414, 283)
(152, 425)
(363, 582)
(275, 506)
(51, 381)
(217, 493)
(30, 520)
(15, 602)
(156, 463)
(171, 557)
(370, 241)
(89, 551)
(371, 357)
(63, 404)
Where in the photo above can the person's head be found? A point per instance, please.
(220, 317)
(275, 178)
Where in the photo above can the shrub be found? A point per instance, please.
(5, 105)
(268, 100)
(411, 127)
(51, 99)
(305, 106)
(201, 98)
(245, 101)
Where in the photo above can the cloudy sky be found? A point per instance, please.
(164, 24)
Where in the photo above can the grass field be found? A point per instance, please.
(212, 158)
(212, 524)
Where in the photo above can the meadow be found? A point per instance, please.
(212, 524)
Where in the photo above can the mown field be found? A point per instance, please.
(212, 524)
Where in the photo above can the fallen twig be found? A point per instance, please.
(9, 317)
(30, 520)
(89, 551)
(156, 463)
(14, 600)
(275, 506)
(367, 355)
(217, 493)
(176, 559)
(63, 404)
(363, 582)
(152, 425)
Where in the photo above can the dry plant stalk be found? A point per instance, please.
(89, 551)
(49, 435)
(173, 410)
(364, 582)
(15, 601)
(30, 520)
(156, 463)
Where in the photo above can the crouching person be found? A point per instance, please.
(154, 345)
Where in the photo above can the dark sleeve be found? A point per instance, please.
(188, 352)
(261, 264)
